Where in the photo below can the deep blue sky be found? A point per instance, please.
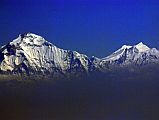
(93, 27)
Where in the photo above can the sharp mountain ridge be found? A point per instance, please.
(31, 53)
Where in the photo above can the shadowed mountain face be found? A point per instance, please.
(38, 55)
(31, 54)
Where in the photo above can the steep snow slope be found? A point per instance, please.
(139, 54)
(30, 52)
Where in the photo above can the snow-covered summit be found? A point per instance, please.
(30, 52)
(29, 39)
(137, 54)
(117, 54)
(125, 47)
(142, 47)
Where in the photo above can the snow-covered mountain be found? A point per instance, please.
(30, 53)
(139, 55)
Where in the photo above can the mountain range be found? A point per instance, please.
(31, 53)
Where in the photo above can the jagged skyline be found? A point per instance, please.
(98, 25)
(30, 53)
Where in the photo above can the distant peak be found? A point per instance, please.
(140, 44)
(142, 47)
(126, 46)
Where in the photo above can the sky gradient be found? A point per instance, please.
(92, 27)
